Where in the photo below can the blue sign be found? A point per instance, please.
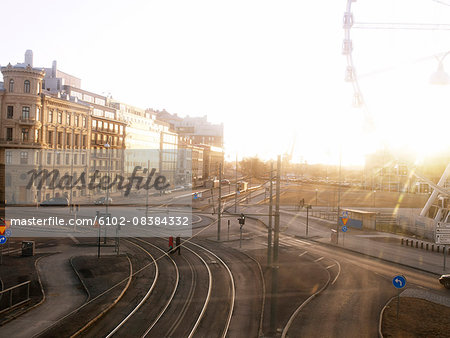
(195, 196)
(238, 192)
(8, 233)
(399, 281)
(3, 239)
(345, 214)
(344, 228)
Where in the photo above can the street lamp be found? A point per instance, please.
(440, 77)
(374, 198)
(108, 146)
(316, 195)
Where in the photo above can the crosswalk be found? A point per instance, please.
(290, 242)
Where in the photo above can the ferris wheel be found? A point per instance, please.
(351, 75)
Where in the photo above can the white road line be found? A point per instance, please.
(76, 241)
(318, 259)
(339, 272)
(329, 267)
(304, 253)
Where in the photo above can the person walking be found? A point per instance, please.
(171, 244)
(178, 244)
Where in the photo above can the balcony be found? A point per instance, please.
(29, 122)
(12, 142)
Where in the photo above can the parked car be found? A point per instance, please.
(188, 186)
(102, 200)
(56, 202)
(225, 181)
(445, 280)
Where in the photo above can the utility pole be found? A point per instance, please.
(269, 235)
(235, 194)
(339, 198)
(220, 202)
(273, 299)
(146, 195)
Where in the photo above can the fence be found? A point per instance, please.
(14, 296)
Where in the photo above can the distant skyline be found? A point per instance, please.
(272, 72)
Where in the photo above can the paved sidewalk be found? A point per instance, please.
(62, 291)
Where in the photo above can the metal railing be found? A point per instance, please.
(14, 296)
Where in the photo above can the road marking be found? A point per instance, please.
(318, 259)
(329, 267)
(304, 253)
(339, 272)
(74, 239)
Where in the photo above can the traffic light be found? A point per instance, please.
(241, 220)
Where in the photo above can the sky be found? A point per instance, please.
(271, 71)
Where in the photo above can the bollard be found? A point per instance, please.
(437, 248)
(427, 246)
(402, 241)
(412, 243)
(417, 244)
(407, 242)
(421, 245)
(432, 247)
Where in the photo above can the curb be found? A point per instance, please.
(380, 320)
(101, 314)
(79, 277)
(42, 291)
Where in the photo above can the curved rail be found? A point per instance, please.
(143, 299)
(233, 288)
(174, 289)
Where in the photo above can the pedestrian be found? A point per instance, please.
(178, 244)
(170, 244)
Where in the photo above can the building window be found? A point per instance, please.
(38, 114)
(50, 116)
(8, 180)
(9, 134)
(11, 85)
(84, 141)
(77, 140)
(25, 134)
(59, 117)
(49, 158)
(10, 112)
(8, 157)
(60, 136)
(68, 119)
(68, 140)
(67, 159)
(36, 135)
(25, 113)
(23, 157)
(50, 137)
(58, 158)
(77, 121)
(26, 86)
(84, 121)
(75, 159)
(83, 159)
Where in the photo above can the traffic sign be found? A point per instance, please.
(3, 239)
(195, 196)
(8, 233)
(2, 229)
(399, 281)
(344, 217)
(344, 228)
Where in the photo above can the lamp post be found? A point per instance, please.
(108, 147)
(317, 190)
(374, 198)
(440, 77)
